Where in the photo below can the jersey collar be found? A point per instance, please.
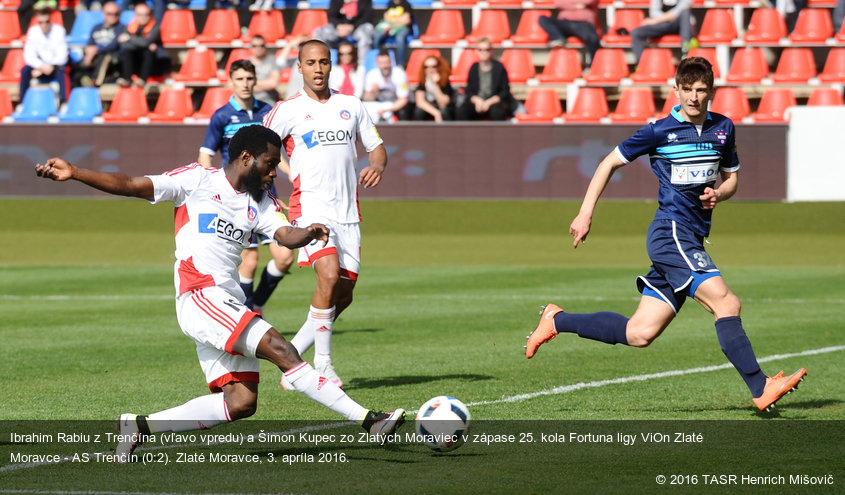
(237, 106)
(676, 112)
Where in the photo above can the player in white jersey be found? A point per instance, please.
(319, 128)
(216, 212)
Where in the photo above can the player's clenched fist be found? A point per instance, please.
(54, 168)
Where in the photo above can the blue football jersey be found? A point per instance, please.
(226, 121)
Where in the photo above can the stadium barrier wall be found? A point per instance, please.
(816, 164)
(426, 161)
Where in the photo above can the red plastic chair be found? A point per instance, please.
(520, 65)
(627, 19)
(834, 66)
(221, 27)
(235, 54)
(10, 27)
(748, 66)
(128, 105)
(177, 27)
(459, 3)
(415, 61)
(655, 67)
(541, 105)
(590, 106)
(731, 102)
(173, 105)
(214, 98)
(444, 28)
(528, 31)
(840, 36)
(562, 66)
(766, 26)
(796, 65)
(12, 65)
(608, 67)
(635, 105)
(268, 23)
(825, 97)
(307, 21)
(710, 55)
(460, 71)
(6, 107)
(717, 27)
(773, 105)
(812, 26)
(492, 24)
(199, 67)
(669, 104)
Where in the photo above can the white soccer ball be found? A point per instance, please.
(442, 423)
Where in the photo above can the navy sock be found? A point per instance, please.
(265, 288)
(737, 348)
(247, 288)
(605, 326)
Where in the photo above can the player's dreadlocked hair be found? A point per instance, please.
(254, 139)
(694, 69)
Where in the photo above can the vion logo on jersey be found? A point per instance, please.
(694, 174)
(210, 223)
(340, 137)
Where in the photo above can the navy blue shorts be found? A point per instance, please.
(679, 263)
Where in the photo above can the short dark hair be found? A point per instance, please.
(244, 64)
(253, 139)
(694, 69)
(308, 43)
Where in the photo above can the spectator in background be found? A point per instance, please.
(348, 76)
(141, 53)
(386, 91)
(45, 55)
(434, 97)
(488, 91)
(397, 23)
(267, 73)
(287, 58)
(100, 58)
(577, 18)
(349, 20)
(664, 17)
(27, 7)
(159, 6)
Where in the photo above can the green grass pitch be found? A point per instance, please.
(448, 292)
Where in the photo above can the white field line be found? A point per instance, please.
(506, 399)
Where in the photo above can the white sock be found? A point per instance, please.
(305, 379)
(272, 270)
(323, 337)
(204, 412)
(304, 338)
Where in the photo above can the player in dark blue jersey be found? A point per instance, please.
(689, 150)
(240, 111)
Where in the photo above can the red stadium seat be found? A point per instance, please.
(461, 69)
(590, 106)
(173, 105)
(10, 27)
(415, 61)
(731, 102)
(128, 105)
(796, 65)
(840, 36)
(528, 31)
(6, 107)
(520, 65)
(773, 105)
(625, 20)
(444, 28)
(177, 27)
(834, 66)
(748, 66)
(541, 105)
(235, 54)
(267, 23)
(812, 26)
(562, 66)
(199, 67)
(221, 27)
(655, 67)
(710, 55)
(669, 104)
(635, 105)
(214, 98)
(825, 97)
(492, 24)
(307, 21)
(12, 65)
(459, 3)
(608, 67)
(717, 27)
(766, 26)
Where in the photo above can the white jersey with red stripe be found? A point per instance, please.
(213, 225)
(320, 140)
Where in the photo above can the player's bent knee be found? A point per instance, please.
(243, 409)
(278, 351)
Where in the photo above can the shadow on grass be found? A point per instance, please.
(389, 381)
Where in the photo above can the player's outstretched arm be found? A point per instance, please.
(113, 183)
(295, 237)
(730, 182)
(371, 176)
(580, 227)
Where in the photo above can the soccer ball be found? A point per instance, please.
(442, 423)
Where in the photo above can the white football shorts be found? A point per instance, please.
(344, 240)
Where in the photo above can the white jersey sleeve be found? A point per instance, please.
(370, 138)
(271, 218)
(177, 184)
